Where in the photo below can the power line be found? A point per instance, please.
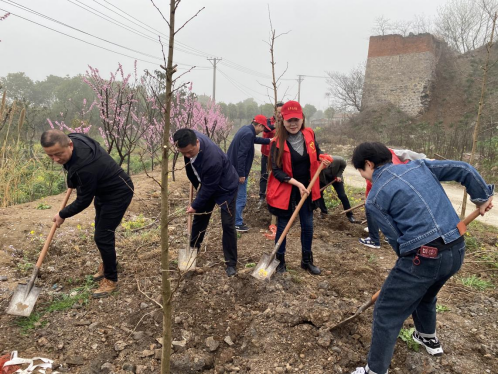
(239, 83)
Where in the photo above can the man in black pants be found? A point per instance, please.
(207, 165)
(96, 176)
(335, 173)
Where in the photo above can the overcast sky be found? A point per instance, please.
(322, 35)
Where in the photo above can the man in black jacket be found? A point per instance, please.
(207, 165)
(241, 154)
(95, 176)
(334, 172)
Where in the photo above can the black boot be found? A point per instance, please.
(307, 263)
(281, 268)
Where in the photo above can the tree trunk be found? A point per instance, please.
(480, 105)
(165, 261)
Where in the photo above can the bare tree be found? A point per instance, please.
(382, 26)
(346, 89)
(466, 24)
(166, 291)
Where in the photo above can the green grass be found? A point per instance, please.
(406, 336)
(43, 206)
(442, 308)
(476, 283)
(79, 294)
(250, 265)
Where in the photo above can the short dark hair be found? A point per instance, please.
(376, 152)
(184, 137)
(52, 137)
(279, 104)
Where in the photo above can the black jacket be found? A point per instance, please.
(219, 179)
(242, 150)
(94, 173)
(335, 169)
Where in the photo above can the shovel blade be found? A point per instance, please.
(187, 258)
(22, 305)
(265, 268)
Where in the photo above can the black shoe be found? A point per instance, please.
(281, 268)
(307, 263)
(432, 345)
(351, 219)
(231, 271)
(242, 228)
(323, 215)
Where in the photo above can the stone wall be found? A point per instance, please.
(400, 70)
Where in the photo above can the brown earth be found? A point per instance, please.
(220, 324)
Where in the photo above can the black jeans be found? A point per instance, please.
(229, 236)
(108, 215)
(264, 176)
(339, 187)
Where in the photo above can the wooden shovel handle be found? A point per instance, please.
(462, 226)
(189, 216)
(52, 231)
(300, 204)
(353, 208)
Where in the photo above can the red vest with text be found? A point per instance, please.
(279, 193)
(395, 160)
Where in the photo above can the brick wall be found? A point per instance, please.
(400, 70)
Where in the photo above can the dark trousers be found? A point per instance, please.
(108, 215)
(410, 289)
(229, 236)
(339, 187)
(307, 229)
(264, 176)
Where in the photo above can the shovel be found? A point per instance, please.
(187, 256)
(268, 263)
(461, 226)
(25, 295)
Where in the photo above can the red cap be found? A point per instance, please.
(291, 109)
(262, 120)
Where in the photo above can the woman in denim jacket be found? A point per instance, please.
(413, 211)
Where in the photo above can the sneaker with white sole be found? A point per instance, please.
(432, 345)
(359, 371)
(368, 242)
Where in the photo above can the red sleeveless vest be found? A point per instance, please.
(279, 193)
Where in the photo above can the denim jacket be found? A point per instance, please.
(411, 206)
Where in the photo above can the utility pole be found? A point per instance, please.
(214, 61)
(300, 79)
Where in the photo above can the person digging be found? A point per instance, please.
(95, 176)
(420, 223)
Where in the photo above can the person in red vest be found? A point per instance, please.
(293, 160)
(264, 174)
(399, 156)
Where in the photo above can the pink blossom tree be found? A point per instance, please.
(123, 109)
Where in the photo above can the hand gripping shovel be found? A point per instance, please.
(25, 295)
(187, 255)
(268, 263)
(461, 226)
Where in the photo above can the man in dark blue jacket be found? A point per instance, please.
(206, 164)
(241, 153)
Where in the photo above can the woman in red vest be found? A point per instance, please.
(293, 160)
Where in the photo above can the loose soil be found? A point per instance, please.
(220, 324)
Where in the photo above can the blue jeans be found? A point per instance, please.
(409, 289)
(241, 201)
(307, 229)
(373, 227)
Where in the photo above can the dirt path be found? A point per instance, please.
(453, 190)
(219, 324)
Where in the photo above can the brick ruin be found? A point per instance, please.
(400, 70)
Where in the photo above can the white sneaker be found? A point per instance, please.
(359, 371)
(366, 229)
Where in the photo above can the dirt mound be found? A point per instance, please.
(220, 324)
